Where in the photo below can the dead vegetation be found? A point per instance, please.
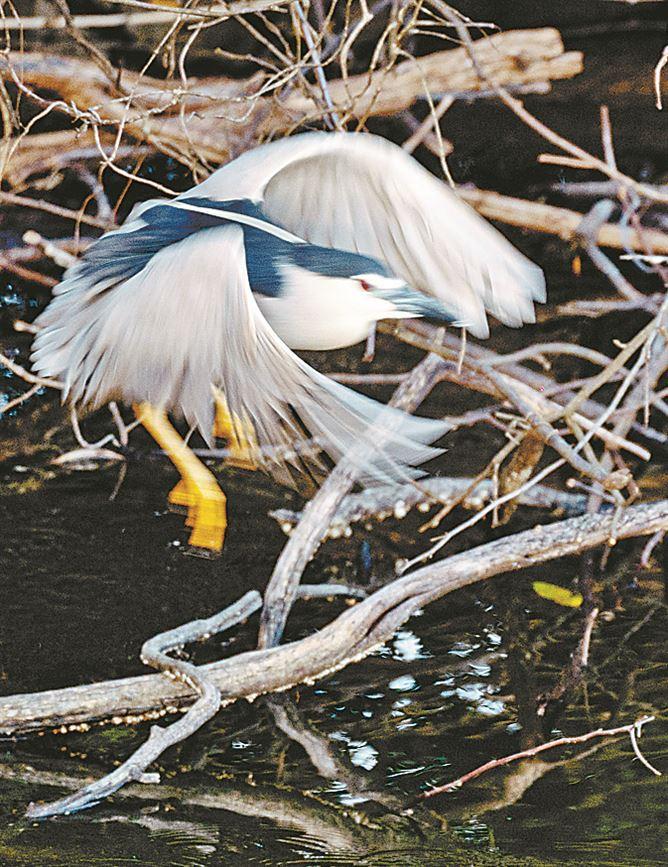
(570, 447)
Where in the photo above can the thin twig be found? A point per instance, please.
(54, 210)
(541, 748)
(26, 376)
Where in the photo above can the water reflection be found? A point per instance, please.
(407, 646)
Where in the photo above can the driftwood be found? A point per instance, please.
(516, 57)
(385, 501)
(348, 638)
(154, 653)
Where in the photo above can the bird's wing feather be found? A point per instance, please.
(362, 193)
(188, 320)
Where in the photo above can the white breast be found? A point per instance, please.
(315, 312)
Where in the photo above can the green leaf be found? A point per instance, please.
(557, 594)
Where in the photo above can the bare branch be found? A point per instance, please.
(630, 730)
(348, 638)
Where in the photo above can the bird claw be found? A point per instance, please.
(205, 511)
(370, 347)
(239, 433)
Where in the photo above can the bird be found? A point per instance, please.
(197, 306)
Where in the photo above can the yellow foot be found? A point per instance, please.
(239, 433)
(208, 521)
(183, 501)
(198, 490)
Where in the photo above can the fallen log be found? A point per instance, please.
(348, 638)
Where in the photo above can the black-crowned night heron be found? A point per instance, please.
(194, 306)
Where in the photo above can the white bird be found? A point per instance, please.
(195, 305)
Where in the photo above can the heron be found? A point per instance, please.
(196, 307)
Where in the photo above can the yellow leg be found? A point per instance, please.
(180, 494)
(239, 433)
(197, 489)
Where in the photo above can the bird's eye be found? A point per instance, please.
(363, 283)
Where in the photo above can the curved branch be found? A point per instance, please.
(348, 638)
(154, 652)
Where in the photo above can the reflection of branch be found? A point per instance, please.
(320, 751)
(575, 670)
(633, 730)
(26, 376)
(294, 810)
(348, 638)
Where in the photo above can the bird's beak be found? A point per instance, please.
(410, 304)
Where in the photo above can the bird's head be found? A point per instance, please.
(371, 276)
(319, 298)
(405, 303)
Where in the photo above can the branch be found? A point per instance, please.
(319, 512)
(154, 653)
(383, 501)
(579, 157)
(351, 636)
(632, 730)
(517, 58)
(138, 19)
(558, 221)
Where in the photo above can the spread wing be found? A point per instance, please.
(187, 320)
(361, 193)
